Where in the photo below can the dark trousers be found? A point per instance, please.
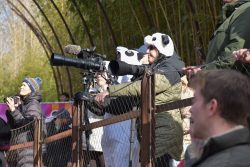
(163, 161)
(91, 155)
(2, 159)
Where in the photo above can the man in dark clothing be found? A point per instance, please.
(218, 117)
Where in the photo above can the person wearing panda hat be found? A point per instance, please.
(168, 69)
(116, 137)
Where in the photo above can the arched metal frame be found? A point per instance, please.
(45, 44)
(58, 42)
(37, 30)
(48, 48)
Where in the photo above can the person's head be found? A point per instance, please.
(101, 78)
(158, 43)
(153, 54)
(64, 97)
(62, 118)
(221, 101)
(30, 85)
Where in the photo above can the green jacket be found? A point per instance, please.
(231, 35)
(168, 130)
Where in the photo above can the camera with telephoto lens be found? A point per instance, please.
(87, 59)
(92, 63)
(15, 98)
(121, 68)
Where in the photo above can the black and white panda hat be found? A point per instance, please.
(162, 42)
(130, 56)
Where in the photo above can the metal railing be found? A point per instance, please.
(69, 141)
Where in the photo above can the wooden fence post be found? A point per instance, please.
(77, 136)
(37, 147)
(147, 120)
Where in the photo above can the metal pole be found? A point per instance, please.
(132, 140)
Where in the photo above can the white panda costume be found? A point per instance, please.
(116, 137)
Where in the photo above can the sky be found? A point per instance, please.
(5, 15)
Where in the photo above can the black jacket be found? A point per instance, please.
(171, 67)
(228, 150)
(29, 110)
(5, 135)
(26, 112)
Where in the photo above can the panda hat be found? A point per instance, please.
(129, 56)
(162, 42)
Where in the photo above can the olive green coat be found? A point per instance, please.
(168, 130)
(231, 35)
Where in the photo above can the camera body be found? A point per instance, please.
(15, 98)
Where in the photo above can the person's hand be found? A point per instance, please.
(101, 96)
(242, 55)
(11, 104)
(191, 70)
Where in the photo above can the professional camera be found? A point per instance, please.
(15, 98)
(87, 59)
(92, 63)
(120, 68)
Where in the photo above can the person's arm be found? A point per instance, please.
(32, 112)
(133, 89)
(239, 37)
(190, 71)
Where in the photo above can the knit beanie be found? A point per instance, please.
(34, 83)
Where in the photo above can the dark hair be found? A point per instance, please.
(230, 88)
(65, 94)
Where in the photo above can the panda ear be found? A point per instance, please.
(165, 39)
